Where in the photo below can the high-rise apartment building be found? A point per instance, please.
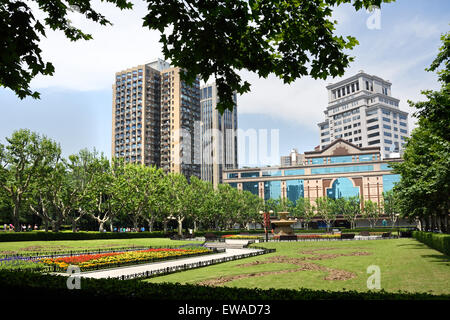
(154, 118)
(293, 159)
(361, 110)
(218, 136)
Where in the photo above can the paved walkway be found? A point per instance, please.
(131, 270)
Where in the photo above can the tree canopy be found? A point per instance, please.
(210, 38)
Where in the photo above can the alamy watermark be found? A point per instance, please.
(74, 280)
(373, 22)
(374, 281)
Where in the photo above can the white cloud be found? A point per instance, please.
(90, 65)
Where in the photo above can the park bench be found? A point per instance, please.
(386, 235)
(347, 236)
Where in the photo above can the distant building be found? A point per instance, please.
(293, 159)
(219, 149)
(361, 110)
(154, 117)
(341, 169)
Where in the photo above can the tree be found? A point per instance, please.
(22, 163)
(424, 188)
(324, 207)
(177, 198)
(46, 194)
(304, 210)
(371, 212)
(288, 38)
(20, 58)
(391, 205)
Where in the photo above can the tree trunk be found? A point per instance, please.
(101, 226)
(16, 219)
(180, 226)
(195, 226)
(165, 226)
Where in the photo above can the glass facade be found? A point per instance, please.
(232, 176)
(317, 161)
(272, 190)
(233, 184)
(389, 181)
(295, 190)
(367, 157)
(342, 188)
(341, 169)
(271, 173)
(251, 186)
(385, 166)
(341, 159)
(249, 174)
(294, 172)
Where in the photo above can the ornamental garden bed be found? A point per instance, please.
(96, 261)
(240, 237)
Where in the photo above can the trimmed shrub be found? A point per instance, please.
(82, 235)
(438, 241)
(41, 286)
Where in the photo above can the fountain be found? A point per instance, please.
(283, 228)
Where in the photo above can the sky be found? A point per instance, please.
(396, 44)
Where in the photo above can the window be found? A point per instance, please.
(387, 134)
(341, 159)
(251, 186)
(402, 117)
(373, 142)
(375, 134)
(403, 131)
(366, 157)
(372, 120)
(385, 126)
(294, 172)
(249, 174)
(317, 161)
(272, 190)
(373, 127)
(232, 176)
(386, 119)
(271, 173)
(294, 190)
(371, 112)
(342, 188)
(361, 168)
(389, 181)
(387, 141)
(403, 124)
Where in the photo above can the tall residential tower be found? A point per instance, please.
(361, 110)
(154, 117)
(218, 136)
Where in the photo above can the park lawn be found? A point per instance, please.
(18, 247)
(405, 264)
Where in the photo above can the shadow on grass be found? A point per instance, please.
(438, 258)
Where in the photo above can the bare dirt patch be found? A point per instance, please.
(301, 262)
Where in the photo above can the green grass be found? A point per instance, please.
(405, 265)
(67, 245)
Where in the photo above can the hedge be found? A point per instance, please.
(438, 241)
(82, 235)
(41, 286)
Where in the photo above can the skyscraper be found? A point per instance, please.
(361, 110)
(218, 136)
(154, 116)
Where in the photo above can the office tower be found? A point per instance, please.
(293, 159)
(218, 136)
(154, 116)
(361, 110)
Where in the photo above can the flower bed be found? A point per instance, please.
(240, 236)
(314, 236)
(106, 260)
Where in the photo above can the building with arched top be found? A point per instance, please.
(342, 169)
